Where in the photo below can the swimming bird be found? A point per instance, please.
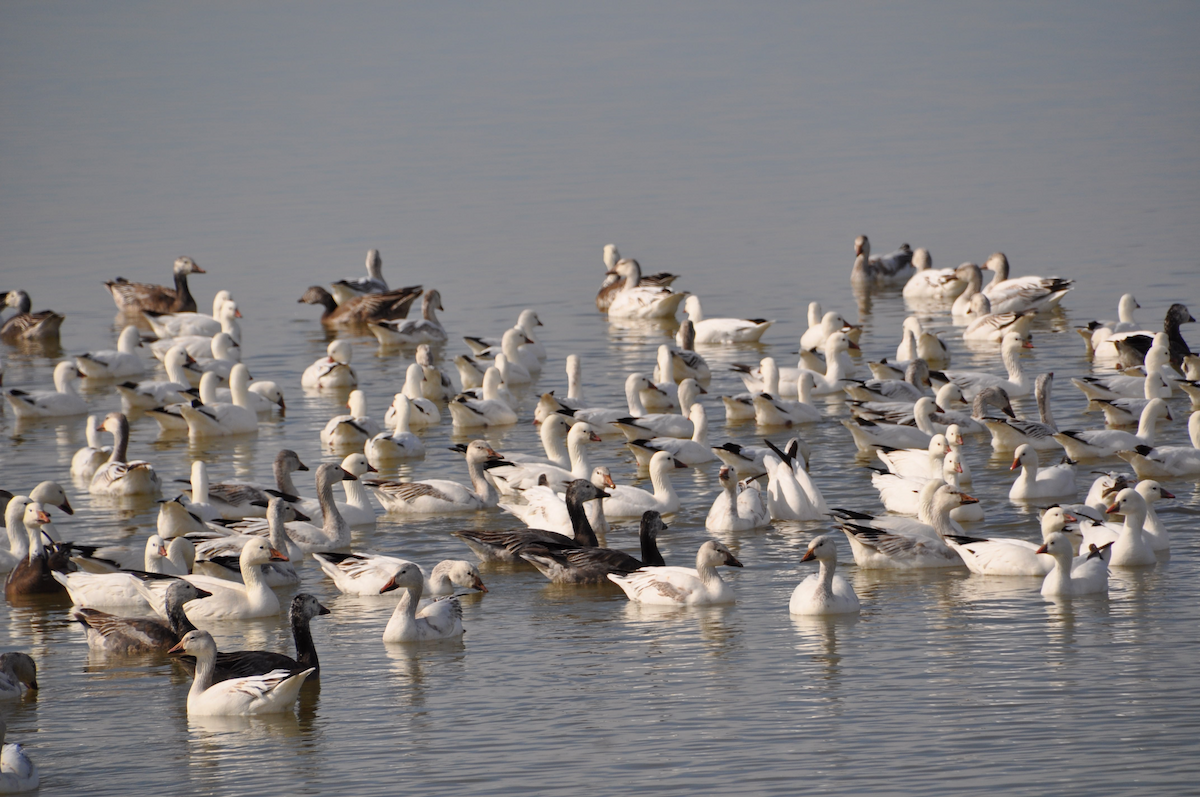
(682, 586)
(824, 592)
(258, 694)
(134, 297)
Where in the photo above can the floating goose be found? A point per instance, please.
(791, 492)
(1035, 483)
(634, 300)
(1153, 529)
(518, 476)
(124, 636)
(691, 452)
(220, 556)
(682, 586)
(724, 330)
(174, 325)
(1022, 293)
(919, 463)
(971, 382)
(441, 496)
(1097, 333)
(88, 459)
(773, 411)
(1009, 556)
(272, 693)
(352, 429)
(492, 545)
(441, 619)
(1010, 433)
(362, 309)
(738, 507)
(18, 671)
(1167, 462)
(134, 297)
(398, 443)
(64, 400)
(426, 329)
(546, 509)
(917, 342)
(119, 476)
(42, 326)
(345, 290)
(200, 345)
(220, 419)
(627, 501)
(911, 545)
(228, 600)
(1100, 443)
(593, 564)
(34, 574)
(423, 413)
(824, 592)
(366, 574)
(1071, 578)
(332, 370)
(749, 461)
(1132, 548)
(147, 395)
(491, 410)
(869, 434)
(888, 270)
(931, 283)
(991, 327)
(435, 385)
(613, 283)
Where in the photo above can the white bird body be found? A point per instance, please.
(62, 401)
(1168, 462)
(1100, 443)
(682, 586)
(441, 619)
(1070, 577)
(724, 330)
(738, 507)
(272, 693)
(221, 419)
(333, 370)
(91, 457)
(1036, 483)
(398, 443)
(117, 476)
(625, 502)
(119, 364)
(1011, 556)
(824, 592)
(641, 301)
(791, 492)
(442, 496)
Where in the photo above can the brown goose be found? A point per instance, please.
(32, 575)
(612, 283)
(25, 325)
(124, 635)
(362, 309)
(134, 297)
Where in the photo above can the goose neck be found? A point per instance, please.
(356, 494)
(660, 477)
(1043, 405)
(479, 481)
(175, 370)
(585, 535)
(199, 484)
(120, 441)
(825, 574)
(206, 664)
(554, 445)
(333, 524)
(1148, 425)
(177, 618)
(306, 651)
(1012, 362)
(633, 397)
(183, 296)
(283, 478)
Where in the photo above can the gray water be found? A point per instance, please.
(490, 152)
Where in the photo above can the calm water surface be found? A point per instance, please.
(491, 154)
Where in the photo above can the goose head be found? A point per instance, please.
(305, 606)
(35, 516)
(602, 478)
(115, 423)
(921, 259)
(823, 548)
(1055, 519)
(1178, 314)
(289, 460)
(713, 554)
(1024, 457)
(651, 525)
(581, 490)
(259, 552)
(948, 497)
(52, 494)
(1129, 503)
(954, 435)
(185, 265)
(197, 643)
(461, 573)
(340, 351)
(611, 257)
(22, 666)
(862, 246)
(407, 577)
(65, 373)
(1057, 545)
(478, 452)
(180, 592)
(328, 474)
(356, 465)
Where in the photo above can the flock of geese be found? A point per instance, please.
(220, 550)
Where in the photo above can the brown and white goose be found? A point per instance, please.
(25, 325)
(134, 297)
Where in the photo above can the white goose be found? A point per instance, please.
(971, 382)
(546, 509)
(149, 394)
(511, 478)
(17, 772)
(682, 586)
(1034, 483)
(1132, 548)
(219, 359)
(88, 459)
(913, 546)
(1011, 556)
(426, 329)
(221, 419)
(1100, 443)
(902, 495)
(740, 406)
(1010, 433)
(989, 327)
(919, 463)
(107, 590)
(724, 330)
(791, 492)
(627, 502)
(442, 496)
(916, 342)
(491, 410)
(398, 443)
(119, 364)
(1022, 293)
(634, 300)
(221, 556)
(200, 345)
(868, 434)
(824, 592)
(838, 366)
(1168, 462)
(887, 270)
(63, 400)
(170, 417)
(351, 430)
(1097, 333)
(435, 385)
(332, 370)
(229, 600)
(441, 619)
(423, 413)
(368, 573)
(1070, 577)
(118, 476)
(738, 507)
(691, 452)
(175, 325)
(1154, 531)
(770, 410)
(600, 417)
(1127, 411)
(346, 289)
(931, 283)
(251, 695)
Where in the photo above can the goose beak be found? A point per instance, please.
(202, 594)
(595, 438)
(176, 650)
(42, 517)
(1042, 550)
(237, 313)
(1070, 518)
(276, 556)
(479, 585)
(322, 610)
(372, 469)
(1016, 464)
(808, 556)
(703, 392)
(966, 499)
(389, 586)
(1166, 494)
(609, 483)
(1027, 344)
(66, 506)
(1112, 510)
(301, 466)
(958, 467)
(732, 561)
(162, 551)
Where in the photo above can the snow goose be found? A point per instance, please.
(920, 463)
(334, 532)
(367, 573)
(748, 461)
(272, 693)
(1155, 533)
(63, 400)
(1034, 483)
(119, 364)
(756, 380)
(1167, 462)
(724, 330)
(1129, 385)
(838, 367)
(440, 496)
(917, 342)
(740, 407)
(824, 592)
(869, 434)
(512, 477)
(221, 419)
(511, 367)
(1130, 348)
(426, 329)
(351, 430)
(149, 394)
(686, 362)
(527, 323)
(772, 411)
(912, 547)
(34, 574)
(87, 459)
(219, 360)
(791, 492)
(1010, 433)
(634, 300)
(17, 670)
(435, 385)
(346, 289)
(175, 325)
(931, 283)
(613, 283)
(201, 345)
(18, 537)
(1097, 333)
(911, 388)
(546, 509)
(971, 382)
(682, 586)
(990, 327)
(655, 425)
(363, 309)
(1022, 293)
(1127, 411)
(888, 270)
(1010, 556)
(692, 452)
(738, 507)
(235, 500)
(398, 443)
(815, 336)
(505, 546)
(635, 407)
(228, 600)
(220, 556)
(441, 619)
(903, 494)
(965, 304)
(1131, 548)
(627, 502)
(122, 636)
(491, 410)
(119, 476)
(134, 297)
(17, 772)
(42, 326)
(1100, 443)
(577, 564)
(1071, 578)
(332, 370)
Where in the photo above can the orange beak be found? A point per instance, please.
(276, 556)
